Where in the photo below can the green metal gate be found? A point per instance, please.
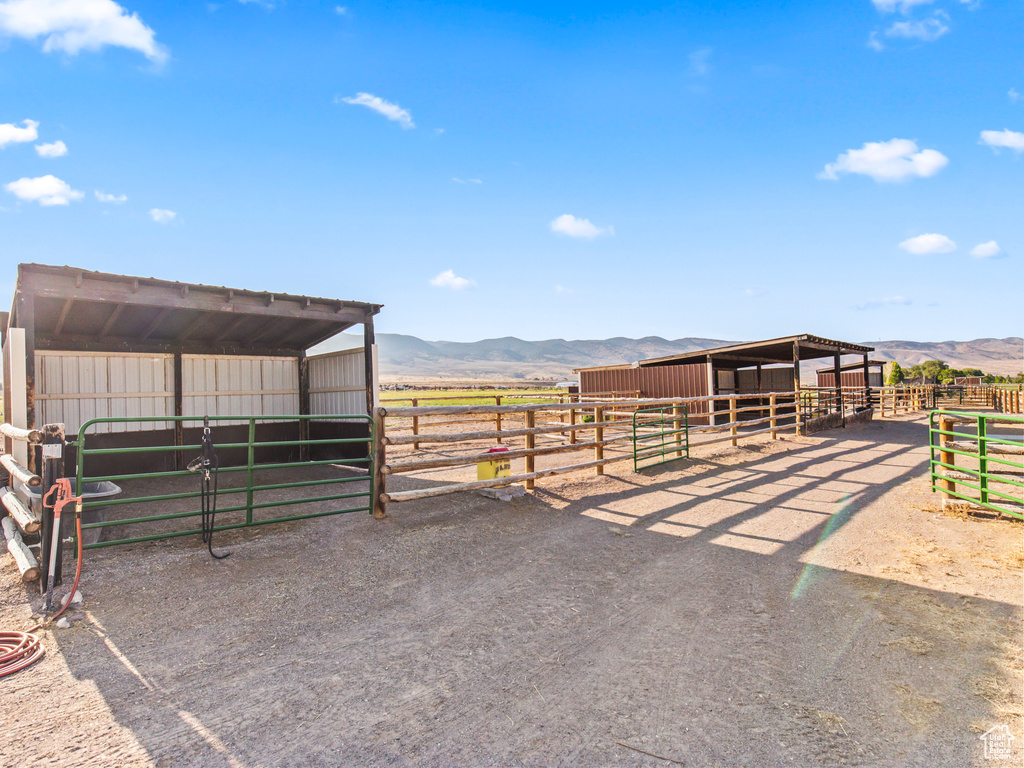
(985, 457)
(660, 435)
(153, 498)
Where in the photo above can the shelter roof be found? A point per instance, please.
(770, 352)
(78, 309)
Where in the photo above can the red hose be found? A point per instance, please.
(23, 649)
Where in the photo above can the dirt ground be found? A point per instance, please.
(797, 602)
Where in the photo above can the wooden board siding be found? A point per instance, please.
(688, 380)
(850, 379)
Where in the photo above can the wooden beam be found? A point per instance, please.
(233, 326)
(201, 317)
(119, 344)
(134, 292)
(368, 341)
(62, 318)
(160, 317)
(111, 320)
(796, 383)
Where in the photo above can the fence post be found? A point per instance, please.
(572, 423)
(598, 437)
(677, 425)
(415, 425)
(982, 459)
(52, 469)
(378, 459)
(733, 417)
(531, 443)
(773, 412)
(497, 419)
(945, 456)
(250, 463)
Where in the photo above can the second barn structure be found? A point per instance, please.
(740, 370)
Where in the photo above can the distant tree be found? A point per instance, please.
(915, 371)
(896, 375)
(932, 368)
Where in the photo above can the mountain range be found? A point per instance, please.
(404, 358)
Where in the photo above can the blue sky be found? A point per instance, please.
(577, 170)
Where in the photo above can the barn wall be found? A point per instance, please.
(74, 387)
(337, 383)
(663, 381)
(850, 379)
(214, 385)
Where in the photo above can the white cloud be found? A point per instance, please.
(162, 215)
(467, 181)
(699, 65)
(1007, 139)
(874, 43)
(568, 224)
(377, 104)
(989, 250)
(886, 302)
(56, 149)
(341, 10)
(1013, 95)
(45, 190)
(894, 160)
(904, 6)
(448, 279)
(927, 30)
(12, 134)
(76, 25)
(103, 197)
(928, 244)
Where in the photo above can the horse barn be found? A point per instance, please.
(740, 371)
(81, 345)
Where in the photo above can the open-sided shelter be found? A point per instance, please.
(737, 369)
(80, 345)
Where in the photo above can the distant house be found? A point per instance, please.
(967, 381)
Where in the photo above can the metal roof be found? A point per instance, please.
(771, 351)
(79, 309)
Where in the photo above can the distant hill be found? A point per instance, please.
(406, 358)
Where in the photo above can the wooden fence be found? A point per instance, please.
(597, 433)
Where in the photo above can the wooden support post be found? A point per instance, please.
(378, 456)
(947, 457)
(733, 419)
(303, 363)
(572, 422)
(369, 340)
(179, 426)
(598, 437)
(796, 387)
(26, 311)
(415, 425)
(774, 413)
(23, 556)
(26, 519)
(838, 369)
(677, 426)
(531, 442)
(497, 418)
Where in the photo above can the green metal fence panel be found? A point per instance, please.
(152, 507)
(993, 468)
(660, 435)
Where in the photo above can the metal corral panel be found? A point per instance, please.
(74, 387)
(690, 380)
(337, 383)
(214, 385)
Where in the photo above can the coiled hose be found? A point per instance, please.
(19, 650)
